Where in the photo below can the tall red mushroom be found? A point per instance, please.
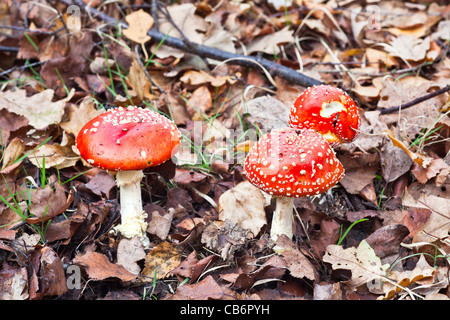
(289, 163)
(327, 110)
(126, 141)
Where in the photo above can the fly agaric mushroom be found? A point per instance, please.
(289, 163)
(128, 140)
(328, 110)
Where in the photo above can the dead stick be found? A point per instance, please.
(416, 101)
(212, 53)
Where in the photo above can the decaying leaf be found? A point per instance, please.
(129, 252)
(296, 262)
(160, 261)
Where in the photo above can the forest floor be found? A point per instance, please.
(381, 233)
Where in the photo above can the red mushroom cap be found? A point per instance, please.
(128, 139)
(328, 110)
(293, 163)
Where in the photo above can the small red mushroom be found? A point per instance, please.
(328, 110)
(128, 140)
(289, 163)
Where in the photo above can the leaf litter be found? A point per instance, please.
(209, 229)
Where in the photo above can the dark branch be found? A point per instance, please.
(212, 53)
(416, 101)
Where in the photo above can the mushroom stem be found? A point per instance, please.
(282, 218)
(132, 214)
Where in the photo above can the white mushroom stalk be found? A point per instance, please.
(133, 217)
(282, 218)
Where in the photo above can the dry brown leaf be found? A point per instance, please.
(98, 267)
(359, 171)
(12, 152)
(404, 279)
(235, 207)
(200, 102)
(378, 56)
(129, 252)
(51, 274)
(364, 264)
(430, 197)
(160, 220)
(161, 259)
(409, 48)
(267, 112)
(421, 159)
(79, 115)
(296, 262)
(270, 43)
(184, 17)
(47, 203)
(201, 77)
(38, 108)
(55, 155)
(138, 81)
(412, 120)
(139, 23)
(203, 290)
(13, 282)
(394, 162)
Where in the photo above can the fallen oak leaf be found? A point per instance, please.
(362, 262)
(38, 108)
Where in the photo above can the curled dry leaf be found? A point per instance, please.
(296, 262)
(420, 275)
(51, 274)
(129, 252)
(46, 203)
(160, 220)
(429, 197)
(13, 282)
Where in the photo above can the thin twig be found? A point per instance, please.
(136, 51)
(203, 51)
(416, 101)
(9, 49)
